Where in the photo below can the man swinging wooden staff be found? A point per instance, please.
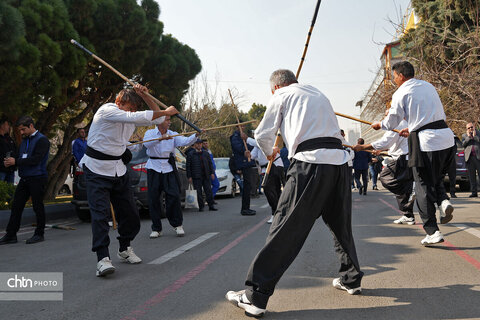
(318, 184)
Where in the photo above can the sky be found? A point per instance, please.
(240, 43)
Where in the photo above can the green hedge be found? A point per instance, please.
(6, 195)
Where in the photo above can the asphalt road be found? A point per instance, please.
(187, 278)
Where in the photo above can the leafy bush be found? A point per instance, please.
(6, 195)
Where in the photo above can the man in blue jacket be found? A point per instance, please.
(241, 156)
(32, 169)
(360, 165)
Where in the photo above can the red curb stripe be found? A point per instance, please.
(156, 299)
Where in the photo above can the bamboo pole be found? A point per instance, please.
(359, 120)
(192, 132)
(239, 126)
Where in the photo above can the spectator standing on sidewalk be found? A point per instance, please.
(471, 143)
(215, 182)
(7, 149)
(360, 165)
(80, 145)
(241, 157)
(200, 174)
(32, 170)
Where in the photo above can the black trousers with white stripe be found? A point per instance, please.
(311, 191)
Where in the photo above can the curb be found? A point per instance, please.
(52, 212)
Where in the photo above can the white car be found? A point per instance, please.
(228, 186)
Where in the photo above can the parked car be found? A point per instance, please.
(461, 169)
(138, 179)
(228, 186)
(67, 186)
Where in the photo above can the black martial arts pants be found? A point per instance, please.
(206, 184)
(28, 187)
(101, 191)
(429, 187)
(311, 191)
(163, 182)
(273, 186)
(247, 186)
(397, 178)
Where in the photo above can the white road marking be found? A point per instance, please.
(182, 249)
(468, 229)
(266, 205)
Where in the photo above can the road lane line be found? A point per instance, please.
(468, 229)
(182, 249)
(266, 205)
(177, 285)
(462, 254)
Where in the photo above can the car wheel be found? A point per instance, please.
(64, 190)
(234, 189)
(82, 214)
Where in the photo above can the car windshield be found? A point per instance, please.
(221, 163)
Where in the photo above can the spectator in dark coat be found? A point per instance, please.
(241, 155)
(360, 165)
(200, 173)
(7, 150)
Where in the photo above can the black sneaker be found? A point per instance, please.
(248, 212)
(360, 190)
(7, 239)
(239, 299)
(473, 195)
(212, 208)
(36, 238)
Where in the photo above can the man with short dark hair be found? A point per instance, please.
(80, 145)
(32, 170)
(430, 145)
(108, 184)
(471, 143)
(360, 165)
(243, 163)
(7, 150)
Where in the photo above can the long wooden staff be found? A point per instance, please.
(161, 104)
(114, 221)
(165, 137)
(359, 120)
(238, 124)
(278, 139)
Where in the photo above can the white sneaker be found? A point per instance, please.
(180, 232)
(155, 234)
(437, 237)
(110, 223)
(104, 267)
(128, 256)
(337, 283)
(270, 220)
(446, 210)
(405, 219)
(239, 299)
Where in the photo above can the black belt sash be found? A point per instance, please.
(319, 143)
(95, 154)
(414, 153)
(172, 162)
